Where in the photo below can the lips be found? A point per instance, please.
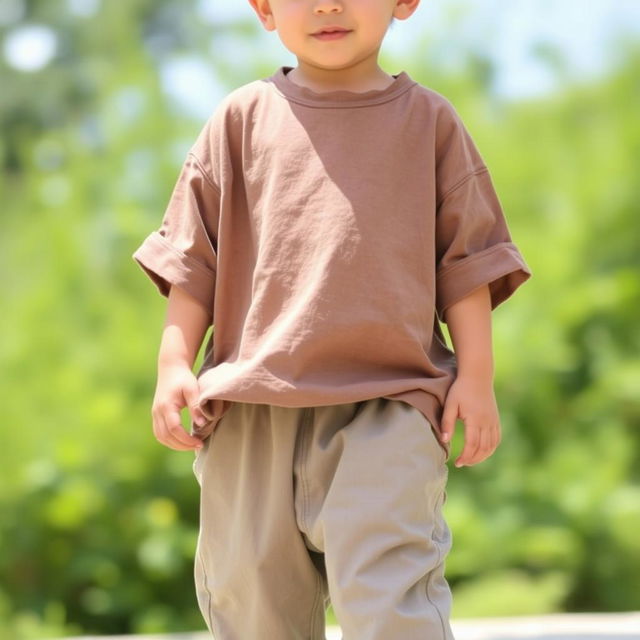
(331, 30)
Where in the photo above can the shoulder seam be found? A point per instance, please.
(205, 175)
(475, 172)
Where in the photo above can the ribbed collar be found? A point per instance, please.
(339, 97)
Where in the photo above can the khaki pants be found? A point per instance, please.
(301, 507)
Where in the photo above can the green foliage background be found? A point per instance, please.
(98, 522)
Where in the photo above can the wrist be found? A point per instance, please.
(476, 373)
(173, 360)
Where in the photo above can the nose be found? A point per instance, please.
(327, 6)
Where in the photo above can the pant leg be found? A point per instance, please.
(374, 477)
(255, 577)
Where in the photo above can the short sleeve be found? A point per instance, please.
(183, 251)
(473, 244)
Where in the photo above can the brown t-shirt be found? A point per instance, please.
(326, 233)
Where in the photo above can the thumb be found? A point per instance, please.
(449, 417)
(191, 393)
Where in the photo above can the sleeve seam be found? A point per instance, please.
(475, 172)
(185, 258)
(498, 272)
(205, 175)
(464, 262)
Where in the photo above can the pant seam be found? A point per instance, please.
(314, 610)
(305, 438)
(440, 558)
(205, 582)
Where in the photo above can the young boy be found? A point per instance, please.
(325, 221)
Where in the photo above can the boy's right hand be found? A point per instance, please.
(177, 388)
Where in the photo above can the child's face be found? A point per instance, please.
(296, 21)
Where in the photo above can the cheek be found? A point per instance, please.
(375, 18)
(291, 25)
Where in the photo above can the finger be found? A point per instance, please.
(493, 439)
(160, 427)
(162, 433)
(158, 424)
(497, 437)
(448, 422)
(486, 442)
(471, 443)
(174, 423)
(176, 434)
(191, 395)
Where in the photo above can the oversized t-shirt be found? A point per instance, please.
(325, 233)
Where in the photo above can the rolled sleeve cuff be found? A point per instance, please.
(500, 266)
(167, 265)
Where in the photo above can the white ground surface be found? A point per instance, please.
(570, 626)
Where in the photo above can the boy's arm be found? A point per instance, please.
(469, 324)
(471, 397)
(185, 326)
(177, 387)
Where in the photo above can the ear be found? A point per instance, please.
(263, 11)
(404, 8)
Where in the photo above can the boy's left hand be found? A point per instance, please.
(473, 401)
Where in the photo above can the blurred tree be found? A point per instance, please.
(98, 522)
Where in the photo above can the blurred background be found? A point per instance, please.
(99, 103)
